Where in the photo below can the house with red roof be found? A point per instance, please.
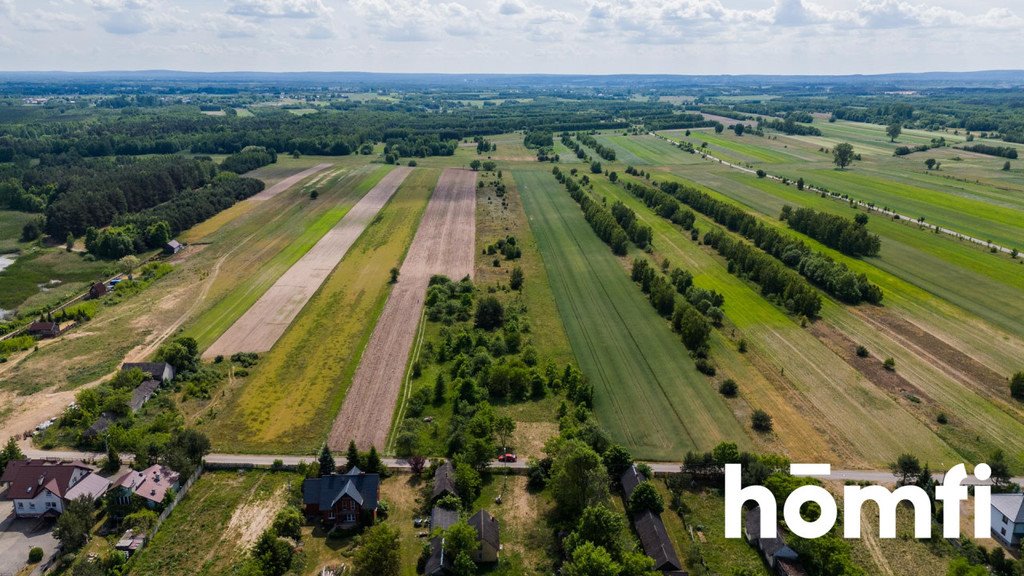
(151, 484)
(44, 487)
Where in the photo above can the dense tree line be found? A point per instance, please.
(848, 236)
(599, 217)
(603, 151)
(538, 139)
(1001, 151)
(905, 150)
(249, 159)
(194, 206)
(789, 126)
(664, 205)
(834, 277)
(687, 320)
(640, 234)
(420, 146)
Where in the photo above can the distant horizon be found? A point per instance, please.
(593, 74)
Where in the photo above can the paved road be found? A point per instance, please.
(399, 464)
(890, 213)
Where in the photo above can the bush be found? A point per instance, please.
(35, 555)
(1017, 386)
(942, 419)
(761, 421)
(761, 173)
(862, 352)
(889, 364)
(728, 388)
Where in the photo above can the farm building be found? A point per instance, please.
(172, 247)
(438, 563)
(44, 487)
(1008, 518)
(99, 426)
(782, 559)
(130, 542)
(655, 541)
(342, 500)
(486, 527)
(44, 329)
(151, 484)
(630, 479)
(444, 481)
(98, 290)
(159, 371)
(142, 393)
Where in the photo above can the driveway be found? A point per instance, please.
(18, 536)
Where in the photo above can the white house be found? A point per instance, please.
(1008, 518)
(40, 487)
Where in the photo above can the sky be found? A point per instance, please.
(514, 36)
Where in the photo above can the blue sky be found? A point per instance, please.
(519, 36)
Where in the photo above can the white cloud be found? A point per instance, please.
(278, 8)
(319, 31)
(40, 21)
(225, 26)
(511, 8)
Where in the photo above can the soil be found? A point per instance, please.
(263, 324)
(444, 244)
(289, 182)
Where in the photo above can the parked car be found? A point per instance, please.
(508, 457)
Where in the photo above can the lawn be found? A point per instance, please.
(306, 223)
(636, 364)
(213, 526)
(288, 403)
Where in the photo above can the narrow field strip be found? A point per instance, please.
(289, 182)
(648, 394)
(263, 324)
(444, 244)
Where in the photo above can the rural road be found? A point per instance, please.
(890, 213)
(399, 464)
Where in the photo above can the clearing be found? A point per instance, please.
(444, 244)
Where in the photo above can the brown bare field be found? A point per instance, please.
(263, 324)
(444, 244)
(289, 182)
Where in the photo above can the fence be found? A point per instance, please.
(174, 504)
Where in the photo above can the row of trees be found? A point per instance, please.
(603, 151)
(640, 234)
(600, 218)
(1001, 151)
(834, 277)
(848, 236)
(538, 139)
(250, 158)
(687, 321)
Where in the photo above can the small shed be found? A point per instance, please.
(44, 329)
(172, 247)
(98, 290)
(655, 541)
(444, 481)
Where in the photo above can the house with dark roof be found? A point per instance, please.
(151, 485)
(1008, 518)
(105, 420)
(489, 542)
(142, 393)
(444, 482)
(342, 500)
(630, 479)
(44, 329)
(779, 557)
(442, 519)
(172, 247)
(438, 562)
(98, 290)
(655, 541)
(44, 487)
(160, 371)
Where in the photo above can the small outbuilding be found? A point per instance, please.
(44, 329)
(1008, 518)
(486, 527)
(444, 482)
(172, 247)
(160, 371)
(98, 290)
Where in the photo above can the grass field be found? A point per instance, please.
(636, 364)
(46, 276)
(11, 223)
(288, 403)
(823, 408)
(310, 221)
(212, 528)
(645, 150)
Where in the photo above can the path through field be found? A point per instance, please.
(444, 244)
(260, 327)
(289, 182)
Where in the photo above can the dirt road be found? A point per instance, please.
(289, 182)
(260, 327)
(444, 244)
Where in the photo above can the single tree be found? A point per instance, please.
(728, 388)
(761, 421)
(352, 457)
(374, 464)
(326, 460)
(602, 527)
(1006, 166)
(72, 529)
(595, 167)
(460, 538)
(1017, 385)
(69, 242)
(645, 497)
(614, 177)
(515, 281)
(738, 128)
(10, 453)
(379, 552)
(272, 554)
(842, 155)
(288, 523)
(475, 165)
(490, 314)
(394, 276)
(800, 183)
(578, 478)
(590, 560)
(894, 130)
(128, 264)
(616, 459)
(313, 194)
(907, 467)
(930, 163)
(719, 128)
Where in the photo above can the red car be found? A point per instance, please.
(507, 457)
